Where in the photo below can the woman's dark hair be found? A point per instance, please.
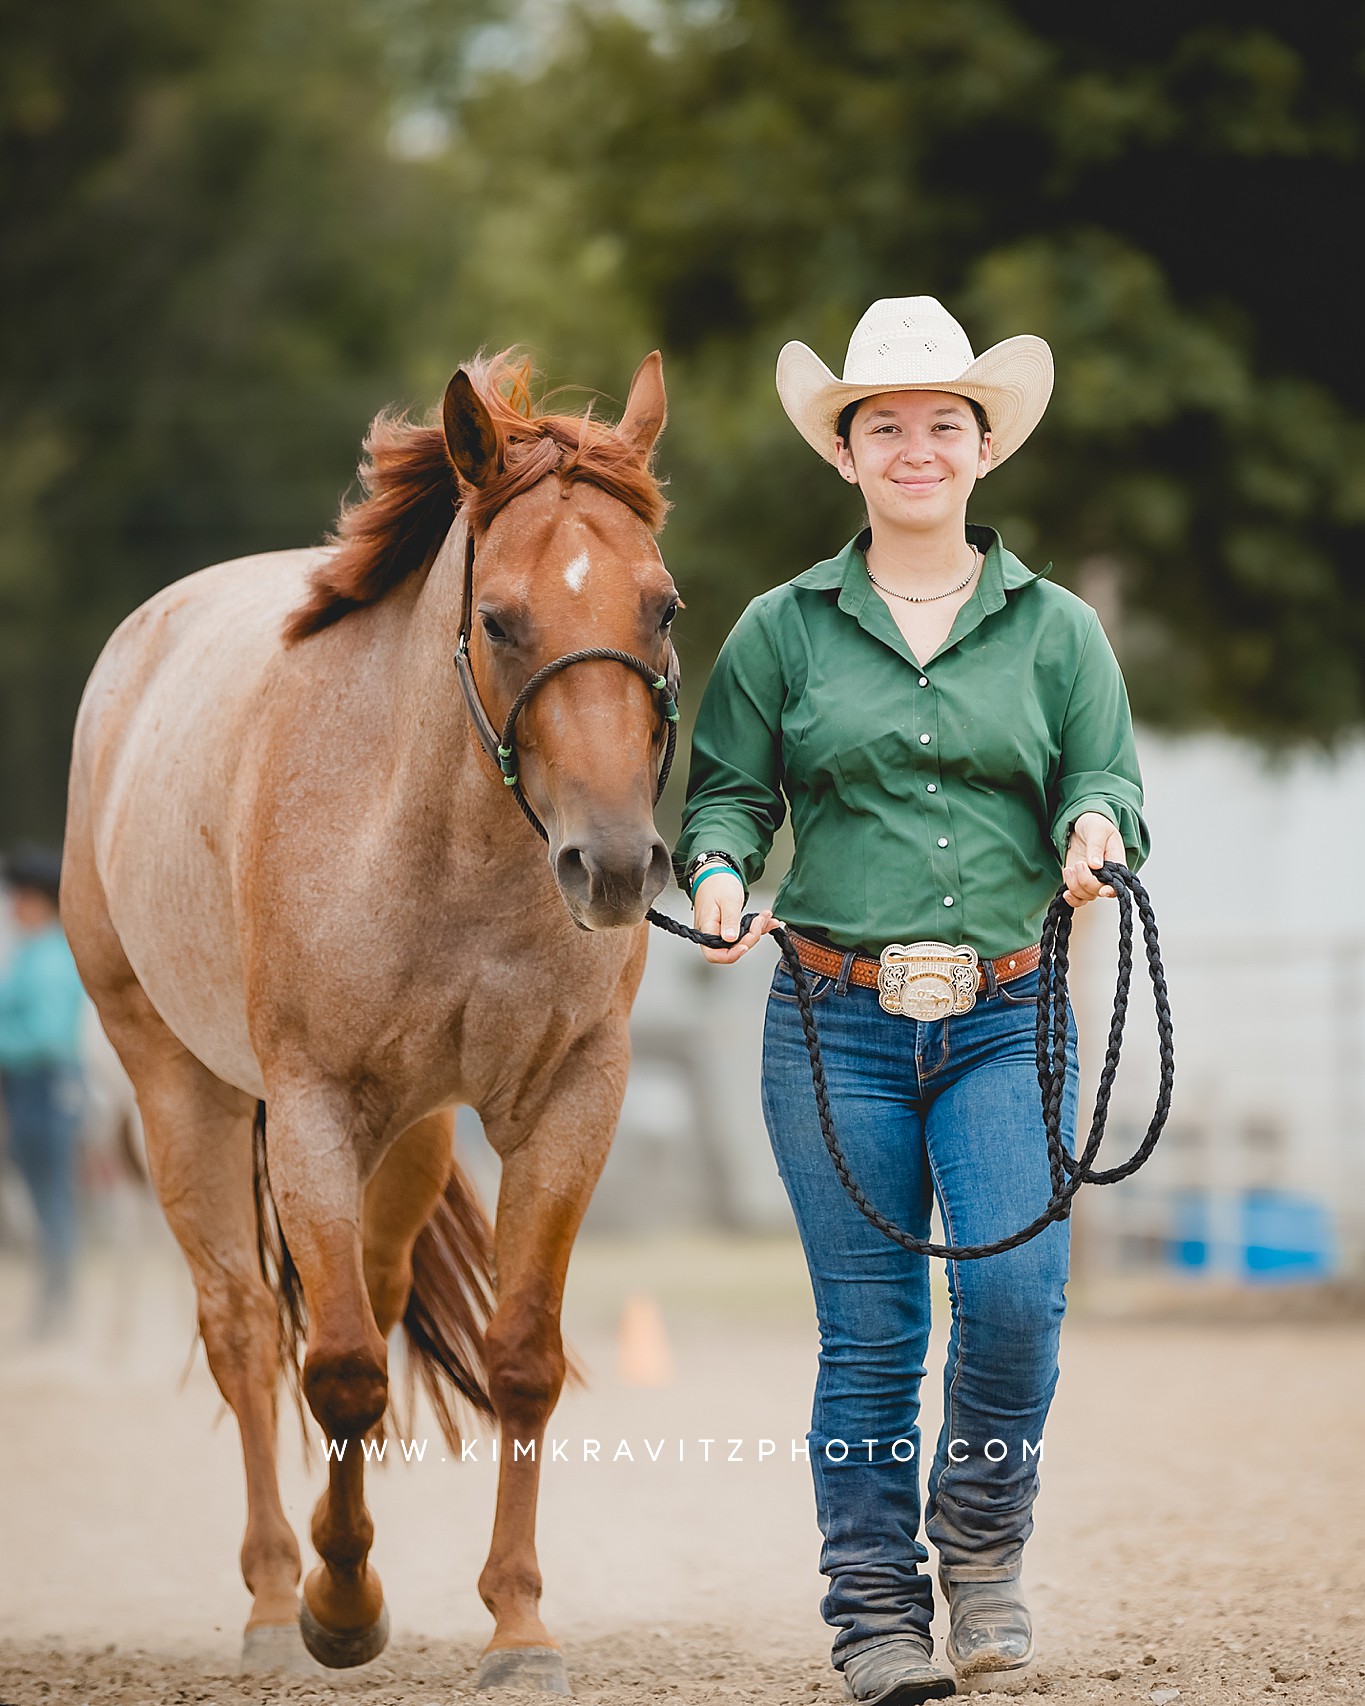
(845, 425)
(32, 867)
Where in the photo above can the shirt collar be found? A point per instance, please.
(1001, 573)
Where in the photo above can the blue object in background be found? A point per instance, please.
(1277, 1237)
(1287, 1237)
(1189, 1243)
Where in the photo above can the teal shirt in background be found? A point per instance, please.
(928, 802)
(40, 1004)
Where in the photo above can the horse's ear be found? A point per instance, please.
(646, 406)
(471, 437)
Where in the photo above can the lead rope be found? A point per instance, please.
(1068, 1172)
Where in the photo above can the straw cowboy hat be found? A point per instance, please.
(912, 343)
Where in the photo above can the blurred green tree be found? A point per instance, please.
(1153, 191)
(220, 257)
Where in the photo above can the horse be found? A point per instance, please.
(313, 924)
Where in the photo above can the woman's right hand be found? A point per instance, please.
(717, 911)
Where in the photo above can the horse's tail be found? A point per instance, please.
(448, 1306)
(280, 1275)
(450, 1303)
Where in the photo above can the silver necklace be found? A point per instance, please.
(929, 597)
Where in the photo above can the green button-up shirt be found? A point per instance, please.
(928, 801)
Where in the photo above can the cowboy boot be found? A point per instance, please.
(898, 1672)
(990, 1633)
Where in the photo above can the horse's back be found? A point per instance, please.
(165, 739)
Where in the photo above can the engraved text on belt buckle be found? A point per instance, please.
(928, 980)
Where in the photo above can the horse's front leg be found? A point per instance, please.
(317, 1179)
(547, 1179)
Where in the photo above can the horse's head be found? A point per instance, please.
(563, 511)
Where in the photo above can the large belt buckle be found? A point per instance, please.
(928, 980)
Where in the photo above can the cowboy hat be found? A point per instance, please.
(912, 343)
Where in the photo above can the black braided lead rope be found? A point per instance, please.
(507, 745)
(1068, 1172)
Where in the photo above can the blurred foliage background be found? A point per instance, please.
(230, 233)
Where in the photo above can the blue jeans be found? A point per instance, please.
(43, 1107)
(945, 1110)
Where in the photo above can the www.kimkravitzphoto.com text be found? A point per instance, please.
(585, 1449)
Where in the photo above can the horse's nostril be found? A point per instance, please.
(660, 867)
(571, 869)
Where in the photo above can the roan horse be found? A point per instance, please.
(293, 877)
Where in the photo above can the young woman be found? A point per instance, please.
(950, 732)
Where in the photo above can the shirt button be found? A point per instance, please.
(943, 840)
(924, 681)
(947, 900)
(924, 740)
(932, 788)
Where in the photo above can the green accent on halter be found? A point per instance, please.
(660, 684)
(671, 711)
(504, 752)
(510, 779)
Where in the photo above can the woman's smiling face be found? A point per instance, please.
(916, 455)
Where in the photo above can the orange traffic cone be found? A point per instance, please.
(643, 1357)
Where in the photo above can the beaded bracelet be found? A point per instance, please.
(706, 858)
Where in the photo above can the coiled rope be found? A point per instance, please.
(1068, 1172)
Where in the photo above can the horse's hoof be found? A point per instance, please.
(530, 1670)
(276, 1646)
(343, 1649)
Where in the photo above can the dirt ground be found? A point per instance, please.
(1201, 1527)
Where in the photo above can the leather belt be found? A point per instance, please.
(869, 974)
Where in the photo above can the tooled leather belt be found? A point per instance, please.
(868, 973)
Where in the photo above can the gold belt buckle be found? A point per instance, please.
(928, 980)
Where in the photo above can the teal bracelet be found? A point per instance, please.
(710, 871)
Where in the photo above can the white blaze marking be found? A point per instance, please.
(577, 572)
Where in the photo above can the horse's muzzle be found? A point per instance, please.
(611, 883)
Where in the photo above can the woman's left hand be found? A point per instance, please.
(1093, 841)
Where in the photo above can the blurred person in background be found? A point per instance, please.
(950, 732)
(41, 1001)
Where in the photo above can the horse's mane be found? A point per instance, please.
(412, 491)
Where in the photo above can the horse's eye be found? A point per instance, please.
(493, 628)
(669, 614)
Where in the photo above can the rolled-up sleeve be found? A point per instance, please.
(734, 787)
(1098, 767)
